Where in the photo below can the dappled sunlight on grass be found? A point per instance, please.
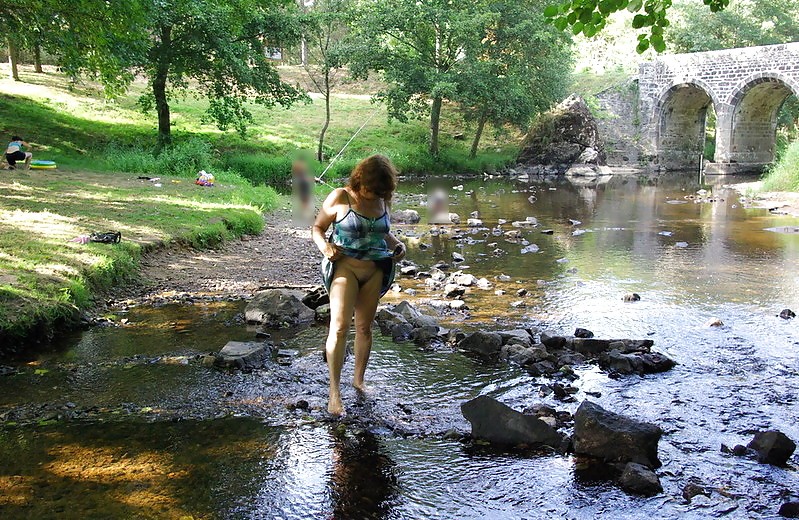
(40, 215)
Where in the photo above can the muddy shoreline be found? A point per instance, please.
(282, 256)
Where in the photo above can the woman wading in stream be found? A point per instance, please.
(358, 264)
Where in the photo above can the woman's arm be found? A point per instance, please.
(327, 215)
(392, 242)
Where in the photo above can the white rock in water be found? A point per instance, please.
(532, 248)
(714, 322)
(474, 222)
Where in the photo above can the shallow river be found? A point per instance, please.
(126, 422)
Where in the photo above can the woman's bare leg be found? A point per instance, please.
(343, 292)
(28, 157)
(365, 308)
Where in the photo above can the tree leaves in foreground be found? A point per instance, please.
(589, 17)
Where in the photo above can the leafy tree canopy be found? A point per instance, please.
(744, 23)
(430, 51)
(590, 16)
(220, 46)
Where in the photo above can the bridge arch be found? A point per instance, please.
(746, 87)
(681, 112)
(755, 104)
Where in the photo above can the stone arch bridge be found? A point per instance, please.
(746, 87)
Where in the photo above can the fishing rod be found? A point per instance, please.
(319, 179)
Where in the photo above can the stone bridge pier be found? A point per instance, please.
(746, 88)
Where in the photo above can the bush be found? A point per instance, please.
(784, 174)
(183, 159)
(261, 169)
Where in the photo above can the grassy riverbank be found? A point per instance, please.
(46, 279)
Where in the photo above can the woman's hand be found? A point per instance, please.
(399, 252)
(331, 252)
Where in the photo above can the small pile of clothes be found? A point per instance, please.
(204, 178)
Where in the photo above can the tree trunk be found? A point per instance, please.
(435, 117)
(319, 156)
(37, 58)
(13, 59)
(480, 125)
(159, 88)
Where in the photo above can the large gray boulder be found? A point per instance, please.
(244, 355)
(565, 136)
(276, 307)
(500, 424)
(613, 437)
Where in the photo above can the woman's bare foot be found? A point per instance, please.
(335, 406)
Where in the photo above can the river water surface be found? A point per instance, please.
(127, 422)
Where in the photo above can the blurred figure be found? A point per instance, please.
(438, 207)
(15, 152)
(302, 184)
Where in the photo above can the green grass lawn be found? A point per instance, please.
(45, 277)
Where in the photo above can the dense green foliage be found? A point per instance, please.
(435, 51)
(324, 32)
(744, 23)
(519, 69)
(220, 45)
(588, 17)
(784, 175)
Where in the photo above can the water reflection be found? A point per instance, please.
(364, 480)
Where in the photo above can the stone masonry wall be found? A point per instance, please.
(746, 87)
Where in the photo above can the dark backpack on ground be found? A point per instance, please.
(109, 237)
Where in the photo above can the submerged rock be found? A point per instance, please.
(640, 480)
(244, 355)
(405, 216)
(487, 344)
(500, 424)
(787, 314)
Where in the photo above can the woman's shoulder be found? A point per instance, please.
(337, 197)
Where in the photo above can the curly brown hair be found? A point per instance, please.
(376, 174)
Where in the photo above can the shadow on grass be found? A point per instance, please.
(62, 133)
